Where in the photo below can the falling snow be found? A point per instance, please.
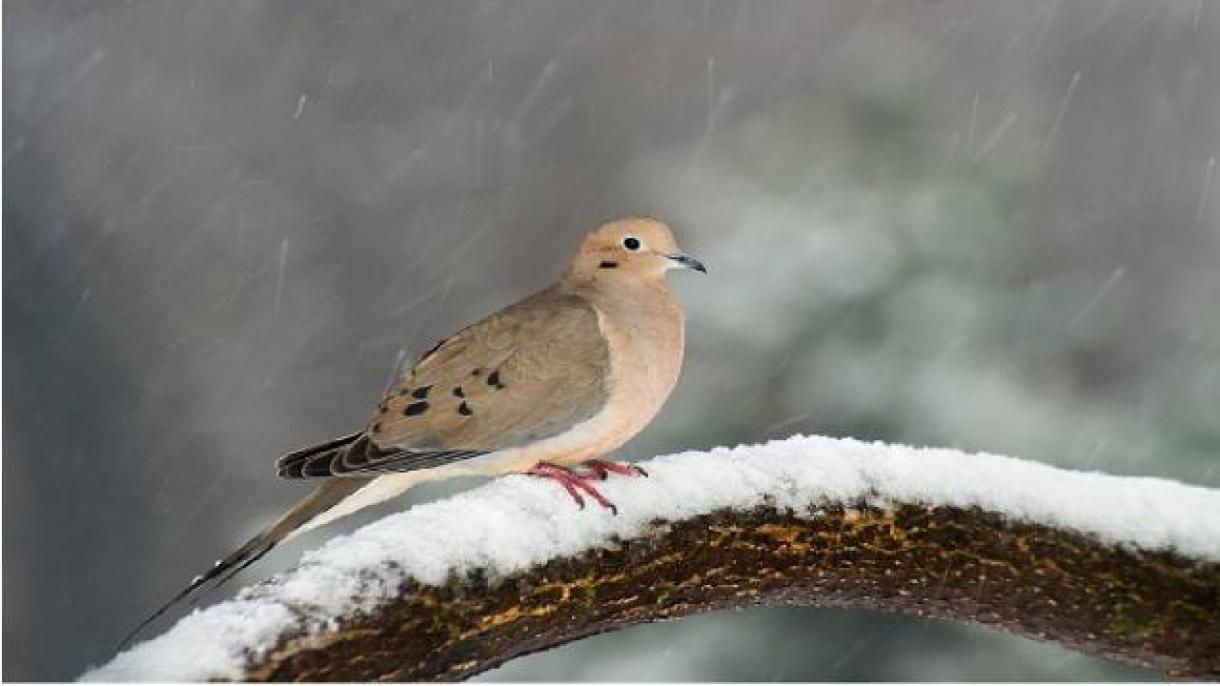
(947, 223)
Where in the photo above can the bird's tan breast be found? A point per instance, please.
(643, 334)
(646, 340)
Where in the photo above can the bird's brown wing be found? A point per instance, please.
(356, 456)
(528, 372)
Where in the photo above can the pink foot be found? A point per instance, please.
(572, 482)
(603, 468)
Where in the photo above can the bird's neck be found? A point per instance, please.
(633, 301)
(643, 325)
(647, 321)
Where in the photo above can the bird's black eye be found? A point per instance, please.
(631, 243)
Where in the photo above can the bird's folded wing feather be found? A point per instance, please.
(526, 373)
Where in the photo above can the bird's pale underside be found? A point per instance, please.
(559, 379)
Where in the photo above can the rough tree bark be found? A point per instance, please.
(1144, 608)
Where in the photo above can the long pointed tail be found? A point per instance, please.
(325, 497)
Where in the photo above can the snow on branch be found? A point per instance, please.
(1127, 568)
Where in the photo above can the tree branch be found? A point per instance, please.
(1106, 565)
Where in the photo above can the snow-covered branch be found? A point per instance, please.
(1123, 567)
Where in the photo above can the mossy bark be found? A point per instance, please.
(1150, 609)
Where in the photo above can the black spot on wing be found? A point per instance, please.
(464, 409)
(457, 391)
(421, 392)
(494, 380)
(415, 408)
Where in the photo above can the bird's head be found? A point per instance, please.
(640, 248)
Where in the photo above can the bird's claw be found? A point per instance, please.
(603, 468)
(573, 483)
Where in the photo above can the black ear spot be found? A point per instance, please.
(607, 264)
(415, 408)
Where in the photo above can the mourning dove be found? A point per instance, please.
(557, 380)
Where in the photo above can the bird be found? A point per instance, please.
(548, 386)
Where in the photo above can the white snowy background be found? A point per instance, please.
(986, 226)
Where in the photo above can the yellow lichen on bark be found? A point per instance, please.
(1153, 609)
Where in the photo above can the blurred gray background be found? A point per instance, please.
(985, 225)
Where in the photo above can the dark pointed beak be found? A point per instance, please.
(687, 262)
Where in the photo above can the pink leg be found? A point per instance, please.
(603, 468)
(571, 482)
(549, 471)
